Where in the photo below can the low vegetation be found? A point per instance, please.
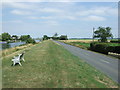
(95, 46)
(14, 49)
(79, 44)
(49, 65)
(105, 47)
(115, 41)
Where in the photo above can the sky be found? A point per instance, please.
(74, 19)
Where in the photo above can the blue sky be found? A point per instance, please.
(75, 19)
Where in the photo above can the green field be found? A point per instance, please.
(86, 45)
(49, 65)
(114, 44)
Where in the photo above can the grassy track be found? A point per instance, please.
(49, 65)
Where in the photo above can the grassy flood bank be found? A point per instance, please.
(49, 65)
(14, 49)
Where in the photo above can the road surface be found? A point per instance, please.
(103, 63)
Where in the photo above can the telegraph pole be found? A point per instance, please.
(93, 33)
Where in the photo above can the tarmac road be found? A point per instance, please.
(103, 63)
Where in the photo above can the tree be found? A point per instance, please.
(45, 37)
(103, 33)
(30, 40)
(63, 37)
(0, 37)
(25, 37)
(55, 36)
(14, 37)
(6, 37)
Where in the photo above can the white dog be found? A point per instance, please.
(18, 59)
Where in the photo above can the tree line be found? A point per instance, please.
(13, 38)
(55, 37)
(103, 33)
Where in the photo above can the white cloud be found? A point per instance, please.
(16, 21)
(60, 1)
(113, 11)
(68, 17)
(25, 0)
(50, 10)
(51, 23)
(98, 11)
(19, 12)
(56, 17)
(106, 10)
(19, 5)
(42, 17)
(13, 21)
(94, 18)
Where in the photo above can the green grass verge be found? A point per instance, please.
(49, 65)
(114, 44)
(87, 45)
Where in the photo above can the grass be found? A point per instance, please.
(114, 44)
(14, 49)
(49, 65)
(81, 40)
(85, 44)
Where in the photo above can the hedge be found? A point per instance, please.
(104, 48)
(115, 41)
(117, 49)
(99, 47)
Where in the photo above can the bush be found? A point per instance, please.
(25, 37)
(99, 47)
(45, 37)
(104, 48)
(115, 41)
(114, 49)
(30, 40)
(117, 49)
(111, 49)
(92, 45)
(63, 37)
(55, 38)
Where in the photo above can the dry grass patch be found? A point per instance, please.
(14, 49)
(84, 41)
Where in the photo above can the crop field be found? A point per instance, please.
(83, 41)
(86, 42)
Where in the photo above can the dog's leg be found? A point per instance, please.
(20, 64)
